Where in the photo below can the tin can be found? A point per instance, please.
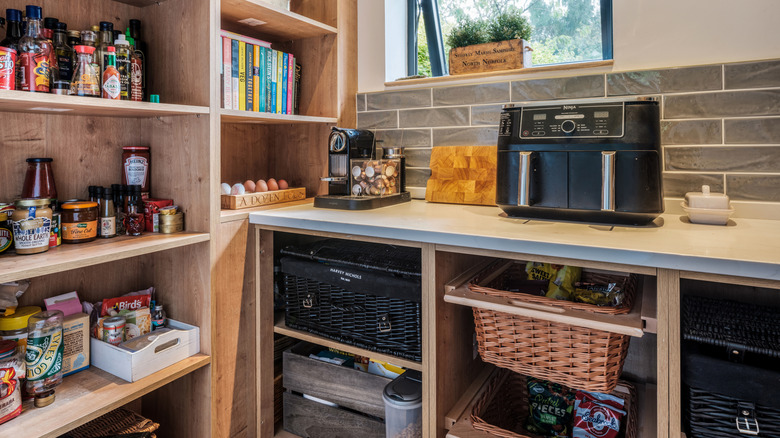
(7, 71)
(114, 330)
(55, 239)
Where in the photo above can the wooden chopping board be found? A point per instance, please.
(462, 175)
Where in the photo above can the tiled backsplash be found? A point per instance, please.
(720, 123)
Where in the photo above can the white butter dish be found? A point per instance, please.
(706, 199)
(712, 216)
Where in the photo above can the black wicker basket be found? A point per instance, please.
(357, 293)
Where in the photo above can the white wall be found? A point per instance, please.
(647, 34)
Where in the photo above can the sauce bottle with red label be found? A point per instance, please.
(35, 53)
(112, 86)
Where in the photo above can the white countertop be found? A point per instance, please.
(745, 247)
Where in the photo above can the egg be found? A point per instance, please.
(273, 185)
(261, 186)
(282, 184)
(237, 189)
(225, 188)
(249, 185)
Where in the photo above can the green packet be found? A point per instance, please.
(551, 408)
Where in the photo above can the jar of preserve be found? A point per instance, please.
(39, 180)
(136, 163)
(79, 221)
(31, 222)
(6, 231)
(14, 327)
(12, 370)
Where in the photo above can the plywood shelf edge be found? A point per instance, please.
(237, 116)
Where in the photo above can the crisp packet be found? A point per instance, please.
(597, 415)
(561, 278)
(598, 294)
(551, 406)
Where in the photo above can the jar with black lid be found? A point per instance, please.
(79, 222)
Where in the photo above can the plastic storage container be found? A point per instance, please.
(403, 406)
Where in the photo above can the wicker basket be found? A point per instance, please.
(574, 356)
(503, 408)
(115, 423)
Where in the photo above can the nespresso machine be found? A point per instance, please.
(357, 180)
(593, 162)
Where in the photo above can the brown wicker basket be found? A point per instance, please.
(117, 422)
(503, 408)
(496, 277)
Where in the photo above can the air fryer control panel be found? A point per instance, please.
(572, 121)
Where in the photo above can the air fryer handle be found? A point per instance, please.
(608, 180)
(524, 180)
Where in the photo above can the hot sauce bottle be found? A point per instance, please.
(85, 76)
(112, 86)
(35, 54)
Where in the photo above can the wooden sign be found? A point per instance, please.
(503, 55)
(237, 202)
(462, 175)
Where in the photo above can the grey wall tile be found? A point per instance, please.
(715, 158)
(676, 185)
(466, 136)
(753, 187)
(558, 88)
(361, 102)
(404, 137)
(726, 104)
(377, 120)
(753, 131)
(753, 74)
(398, 99)
(418, 157)
(471, 94)
(455, 116)
(486, 114)
(691, 132)
(417, 177)
(673, 80)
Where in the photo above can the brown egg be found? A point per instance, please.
(282, 184)
(273, 185)
(249, 185)
(261, 186)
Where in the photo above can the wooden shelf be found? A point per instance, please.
(43, 103)
(279, 23)
(236, 116)
(239, 215)
(89, 394)
(67, 257)
(140, 3)
(281, 328)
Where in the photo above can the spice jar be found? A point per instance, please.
(14, 327)
(79, 222)
(136, 163)
(39, 180)
(31, 222)
(12, 370)
(6, 231)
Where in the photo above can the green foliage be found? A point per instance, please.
(509, 25)
(467, 32)
(423, 59)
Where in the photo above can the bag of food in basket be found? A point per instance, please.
(598, 294)
(561, 278)
(551, 406)
(597, 415)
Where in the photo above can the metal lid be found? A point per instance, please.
(78, 205)
(18, 320)
(40, 160)
(44, 400)
(394, 152)
(114, 322)
(33, 202)
(135, 148)
(405, 390)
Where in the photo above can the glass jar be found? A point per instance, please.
(31, 222)
(79, 221)
(45, 348)
(14, 327)
(136, 167)
(86, 81)
(6, 230)
(39, 180)
(12, 370)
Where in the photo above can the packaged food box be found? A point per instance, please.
(75, 333)
(152, 213)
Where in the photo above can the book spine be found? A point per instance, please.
(234, 71)
(279, 68)
(250, 81)
(227, 76)
(259, 79)
(268, 82)
(285, 69)
(273, 81)
(297, 88)
(290, 81)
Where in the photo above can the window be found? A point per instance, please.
(563, 31)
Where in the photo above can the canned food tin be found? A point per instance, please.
(114, 330)
(7, 71)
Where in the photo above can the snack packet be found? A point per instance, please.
(597, 415)
(561, 278)
(551, 406)
(598, 294)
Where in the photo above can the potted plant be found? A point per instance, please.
(498, 44)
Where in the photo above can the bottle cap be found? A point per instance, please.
(106, 26)
(108, 193)
(61, 26)
(84, 49)
(40, 160)
(95, 29)
(111, 49)
(33, 12)
(13, 15)
(130, 39)
(154, 98)
(120, 40)
(49, 22)
(135, 23)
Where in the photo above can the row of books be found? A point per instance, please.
(256, 77)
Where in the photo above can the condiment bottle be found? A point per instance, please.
(6, 229)
(44, 356)
(118, 205)
(89, 38)
(112, 84)
(35, 52)
(39, 180)
(159, 319)
(48, 27)
(74, 38)
(107, 214)
(85, 77)
(134, 214)
(13, 33)
(106, 40)
(64, 54)
(140, 52)
(123, 65)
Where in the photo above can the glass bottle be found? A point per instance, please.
(123, 65)
(44, 356)
(65, 58)
(36, 54)
(112, 84)
(119, 205)
(39, 180)
(85, 77)
(13, 33)
(106, 40)
(159, 318)
(74, 38)
(91, 192)
(134, 213)
(89, 38)
(107, 214)
(140, 52)
(48, 27)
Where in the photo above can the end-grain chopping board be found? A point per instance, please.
(462, 175)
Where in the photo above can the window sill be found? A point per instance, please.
(502, 73)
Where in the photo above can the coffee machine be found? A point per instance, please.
(357, 180)
(581, 161)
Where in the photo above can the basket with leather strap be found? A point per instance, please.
(502, 409)
(117, 423)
